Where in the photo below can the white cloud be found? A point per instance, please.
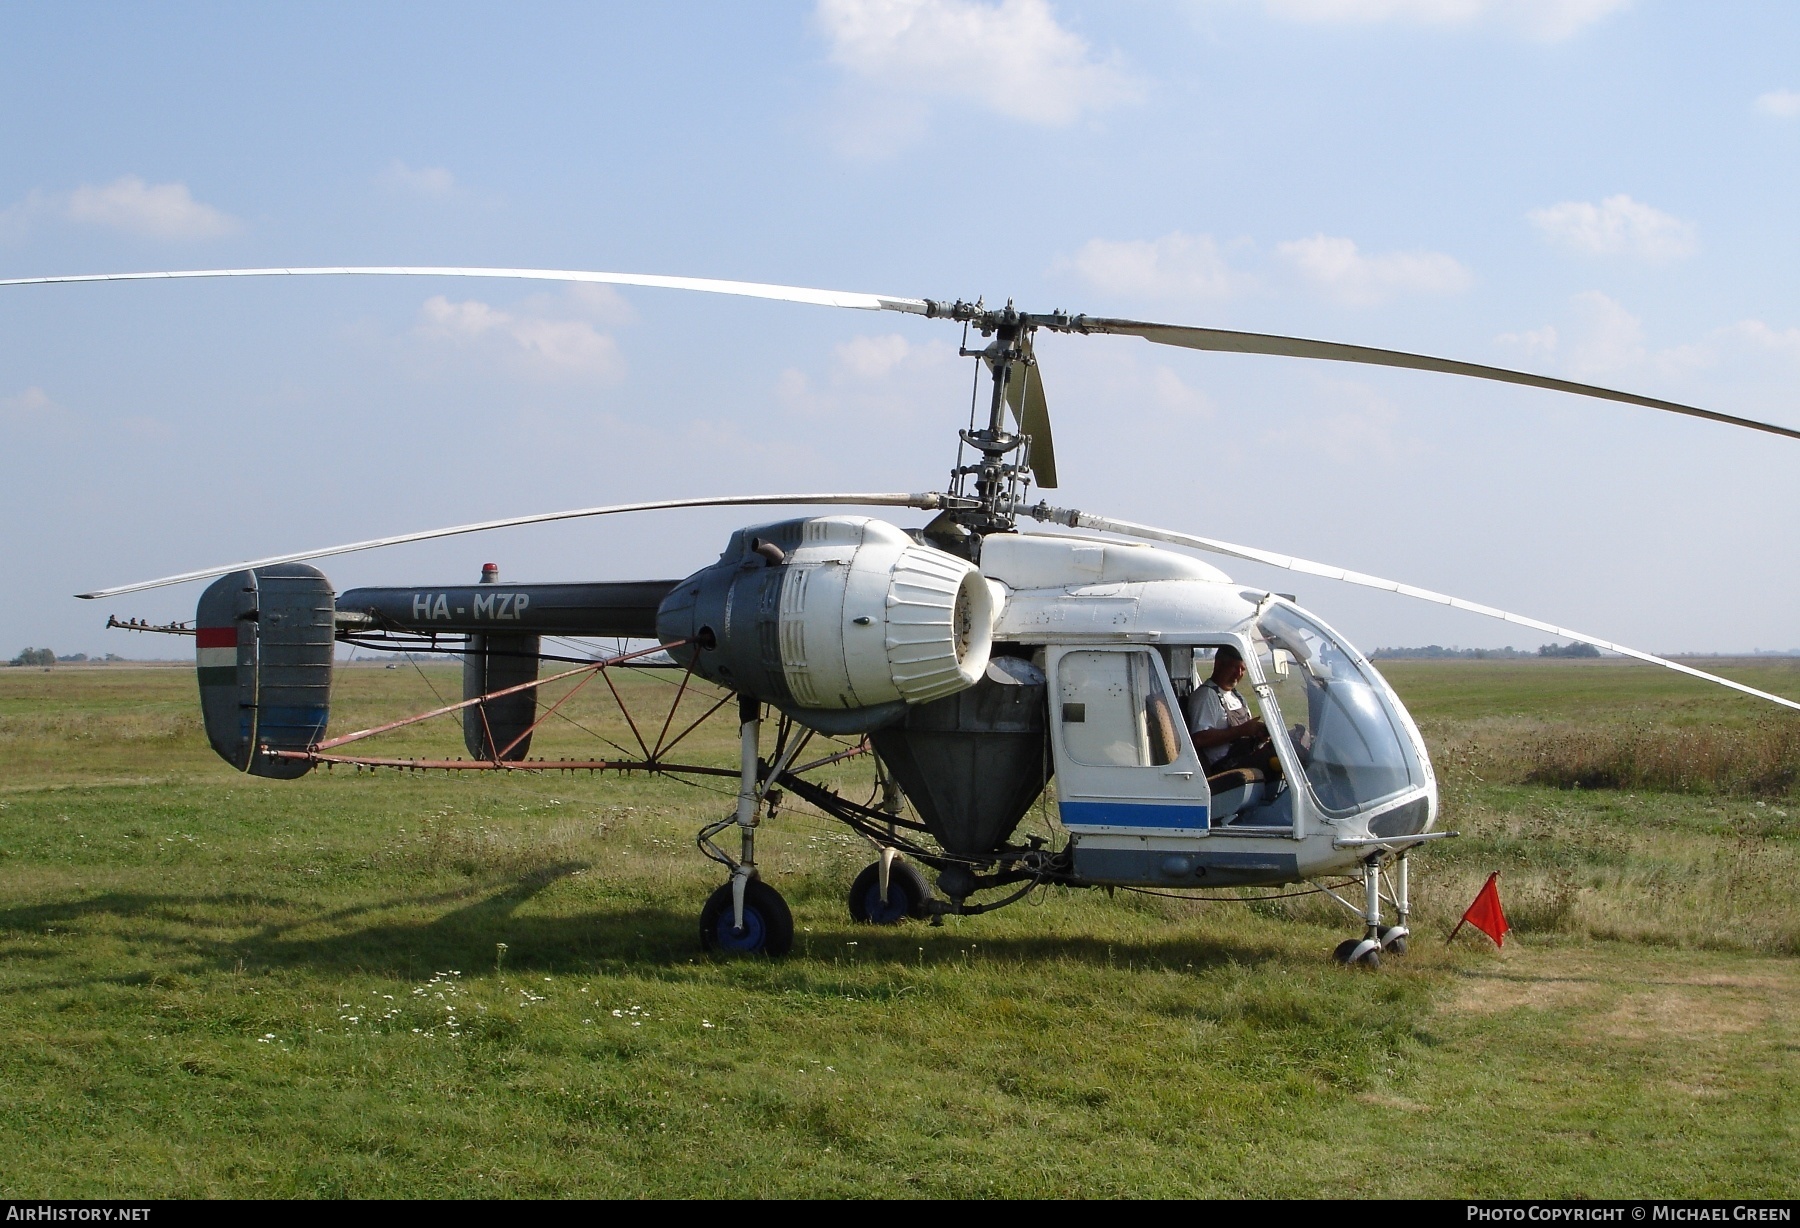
(1549, 20)
(1617, 226)
(34, 420)
(1606, 337)
(155, 210)
(1174, 395)
(1176, 266)
(1748, 367)
(1750, 349)
(1782, 104)
(1337, 267)
(873, 357)
(885, 374)
(534, 343)
(1359, 425)
(1774, 340)
(16, 220)
(1602, 338)
(28, 408)
(420, 180)
(599, 304)
(1012, 57)
(1535, 345)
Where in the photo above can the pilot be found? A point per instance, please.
(1225, 733)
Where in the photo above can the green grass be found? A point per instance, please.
(213, 985)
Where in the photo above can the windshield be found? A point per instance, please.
(1350, 744)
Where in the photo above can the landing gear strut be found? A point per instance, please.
(1366, 951)
(878, 898)
(746, 915)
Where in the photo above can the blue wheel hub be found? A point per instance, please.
(752, 937)
(885, 914)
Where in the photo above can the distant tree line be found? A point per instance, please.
(1436, 652)
(44, 656)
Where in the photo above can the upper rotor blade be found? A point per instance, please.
(1231, 342)
(746, 289)
(1087, 520)
(925, 502)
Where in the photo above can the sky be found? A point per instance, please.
(1603, 190)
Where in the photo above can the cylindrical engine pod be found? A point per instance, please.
(841, 619)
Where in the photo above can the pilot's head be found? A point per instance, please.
(1228, 666)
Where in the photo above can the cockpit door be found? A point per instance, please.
(1124, 760)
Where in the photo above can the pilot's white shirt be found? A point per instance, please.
(1215, 708)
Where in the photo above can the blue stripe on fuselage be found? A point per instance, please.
(1133, 814)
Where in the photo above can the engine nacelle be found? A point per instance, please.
(840, 620)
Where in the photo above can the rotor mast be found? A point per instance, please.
(983, 493)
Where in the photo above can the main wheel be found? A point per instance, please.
(768, 925)
(907, 893)
(1393, 944)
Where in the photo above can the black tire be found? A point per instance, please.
(768, 924)
(907, 893)
(1394, 945)
(1371, 958)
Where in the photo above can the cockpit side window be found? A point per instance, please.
(1341, 723)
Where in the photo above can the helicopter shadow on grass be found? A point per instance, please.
(467, 936)
(650, 937)
(485, 930)
(914, 942)
(274, 943)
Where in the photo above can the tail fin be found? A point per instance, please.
(264, 643)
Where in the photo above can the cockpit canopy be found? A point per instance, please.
(1353, 744)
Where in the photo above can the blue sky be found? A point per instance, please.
(1598, 189)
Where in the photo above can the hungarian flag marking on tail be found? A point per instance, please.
(215, 650)
(1485, 914)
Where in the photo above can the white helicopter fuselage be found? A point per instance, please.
(1113, 626)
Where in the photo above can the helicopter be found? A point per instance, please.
(977, 659)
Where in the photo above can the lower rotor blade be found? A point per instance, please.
(924, 502)
(1034, 420)
(1025, 396)
(1227, 341)
(1087, 520)
(745, 289)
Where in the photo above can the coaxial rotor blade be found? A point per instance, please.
(1087, 520)
(746, 289)
(1227, 341)
(924, 502)
(1186, 336)
(1025, 396)
(1033, 413)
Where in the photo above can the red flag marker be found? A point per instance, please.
(1485, 914)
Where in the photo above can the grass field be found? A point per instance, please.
(410, 985)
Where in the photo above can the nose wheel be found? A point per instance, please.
(1377, 939)
(905, 895)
